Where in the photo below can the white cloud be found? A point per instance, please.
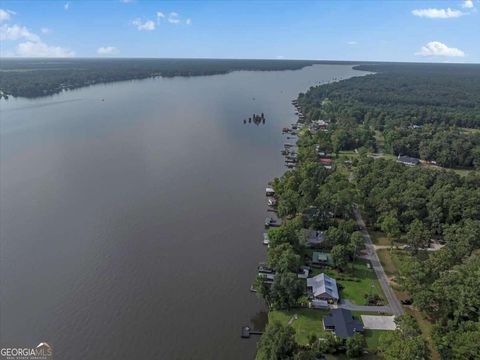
(40, 49)
(173, 18)
(280, 57)
(29, 44)
(160, 15)
(66, 6)
(45, 30)
(438, 13)
(148, 25)
(468, 4)
(6, 15)
(436, 48)
(127, 1)
(107, 50)
(188, 21)
(17, 32)
(352, 43)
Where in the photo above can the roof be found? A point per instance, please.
(408, 160)
(343, 322)
(323, 284)
(311, 236)
(322, 257)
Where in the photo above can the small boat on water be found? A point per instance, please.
(271, 201)
(269, 191)
(269, 222)
(266, 239)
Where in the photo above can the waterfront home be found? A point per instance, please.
(342, 323)
(323, 287)
(269, 191)
(311, 237)
(407, 160)
(322, 258)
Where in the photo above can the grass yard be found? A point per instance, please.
(309, 322)
(387, 262)
(372, 338)
(362, 281)
(379, 238)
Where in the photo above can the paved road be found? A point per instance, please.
(394, 304)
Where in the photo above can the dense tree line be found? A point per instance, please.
(415, 197)
(39, 77)
(448, 147)
(416, 205)
(400, 95)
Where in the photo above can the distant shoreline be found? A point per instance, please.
(34, 78)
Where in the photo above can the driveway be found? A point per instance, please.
(375, 322)
(394, 304)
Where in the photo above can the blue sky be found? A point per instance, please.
(439, 31)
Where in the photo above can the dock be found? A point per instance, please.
(247, 332)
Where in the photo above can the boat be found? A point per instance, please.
(266, 239)
(271, 201)
(269, 191)
(269, 222)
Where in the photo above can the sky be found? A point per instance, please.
(414, 31)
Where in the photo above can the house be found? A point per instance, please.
(323, 287)
(407, 160)
(311, 237)
(325, 161)
(342, 323)
(322, 258)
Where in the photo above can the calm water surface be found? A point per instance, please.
(131, 227)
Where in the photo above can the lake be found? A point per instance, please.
(131, 213)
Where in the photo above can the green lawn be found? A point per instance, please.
(309, 322)
(372, 337)
(379, 238)
(362, 281)
(387, 262)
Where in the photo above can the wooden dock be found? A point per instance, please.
(247, 332)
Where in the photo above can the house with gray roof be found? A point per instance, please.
(407, 160)
(342, 323)
(311, 237)
(323, 287)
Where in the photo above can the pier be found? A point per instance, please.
(247, 332)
